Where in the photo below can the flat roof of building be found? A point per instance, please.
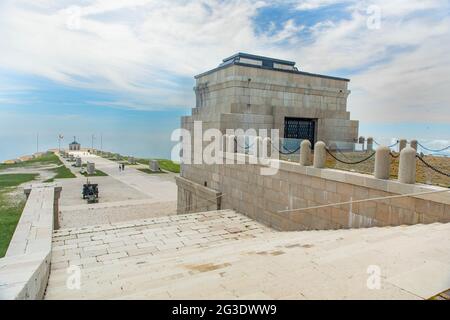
(262, 62)
(256, 57)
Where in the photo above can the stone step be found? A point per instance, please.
(152, 270)
(151, 267)
(136, 263)
(247, 246)
(146, 222)
(290, 237)
(163, 276)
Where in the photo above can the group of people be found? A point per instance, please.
(121, 166)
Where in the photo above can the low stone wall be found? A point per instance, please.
(25, 269)
(245, 190)
(193, 197)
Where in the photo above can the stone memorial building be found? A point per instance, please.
(74, 146)
(254, 92)
(249, 91)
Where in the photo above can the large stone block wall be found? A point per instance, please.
(245, 97)
(244, 85)
(193, 196)
(245, 190)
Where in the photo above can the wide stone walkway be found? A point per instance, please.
(123, 195)
(160, 187)
(223, 254)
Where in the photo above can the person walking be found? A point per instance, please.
(120, 167)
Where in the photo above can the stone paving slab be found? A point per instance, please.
(425, 280)
(111, 212)
(223, 254)
(149, 236)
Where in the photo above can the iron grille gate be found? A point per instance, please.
(299, 128)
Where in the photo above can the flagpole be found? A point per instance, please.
(60, 137)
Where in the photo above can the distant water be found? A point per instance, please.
(126, 131)
(146, 146)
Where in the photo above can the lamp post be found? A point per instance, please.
(92, 144)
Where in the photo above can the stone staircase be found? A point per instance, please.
(222, 254)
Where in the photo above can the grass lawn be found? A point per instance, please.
(62, 172)
(98, 173)
(164, 164)
(10, 212)
(14, 179)
(169, 165)
(151, 172)
(46, 159)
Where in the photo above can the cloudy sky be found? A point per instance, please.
(125, 68)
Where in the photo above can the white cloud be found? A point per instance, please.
(315, 4)
(402, 68)
(142, 48)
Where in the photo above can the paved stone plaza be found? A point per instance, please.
(124, 195)
(222, 254)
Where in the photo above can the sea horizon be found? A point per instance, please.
(145, 146)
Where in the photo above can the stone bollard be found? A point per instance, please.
(154, 166)
(361, 140)
(78, 162)
(266, 148)
(257, 147)
(402, 145)
(370, 144)
(407, 166)
(382, 163)
(305, 153)
(320, 154)
(90, 168)
(413, 144)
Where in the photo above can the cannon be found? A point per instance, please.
(90, 192)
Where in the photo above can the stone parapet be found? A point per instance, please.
(274, 199)
(25, 269)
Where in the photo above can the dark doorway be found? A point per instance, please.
(300, 128)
